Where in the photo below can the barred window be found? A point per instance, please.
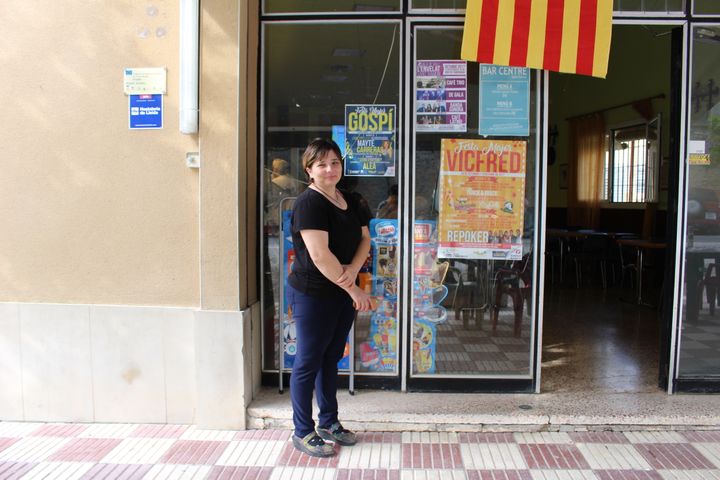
(631, 164)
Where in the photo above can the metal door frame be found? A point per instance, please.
(510, 382)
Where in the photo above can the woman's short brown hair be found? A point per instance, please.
(316, 150)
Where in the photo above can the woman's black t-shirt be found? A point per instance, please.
(312, 211)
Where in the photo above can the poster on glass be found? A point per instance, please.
(440, 96)
(370, 140)
(378, 351)
(504, 101)
(481, 198)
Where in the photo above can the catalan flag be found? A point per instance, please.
(571, 36)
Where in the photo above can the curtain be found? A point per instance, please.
(585, 170)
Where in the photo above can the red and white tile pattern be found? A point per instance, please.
(140, 452)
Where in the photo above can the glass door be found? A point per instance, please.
(454, 213)
(473, 201)
(698, 367)
(336, 79)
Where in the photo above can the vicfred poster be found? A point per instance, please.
(482, 192)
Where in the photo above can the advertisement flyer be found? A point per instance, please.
(482, 192)
(429, 293)
(338, 136)
(379, 351)
(504, 101)
(370, 135)
(425, 312)
(440, 96)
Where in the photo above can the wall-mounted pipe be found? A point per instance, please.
(189, 61)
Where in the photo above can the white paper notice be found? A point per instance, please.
(696, 146)
(140, 81)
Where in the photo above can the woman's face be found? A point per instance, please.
(326, 171)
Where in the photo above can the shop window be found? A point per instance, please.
(630, 6)
(312, 72)
(330, 6)
(439, 4)
(631, 165)
(706, 7)
(472, 313)
(699, 356)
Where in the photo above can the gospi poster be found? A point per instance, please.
(370, 135)
(504, 101)
(482, 192)
(441, 96)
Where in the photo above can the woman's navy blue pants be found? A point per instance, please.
(321, 327)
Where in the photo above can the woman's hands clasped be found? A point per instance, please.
(348, 276)
(361, 300)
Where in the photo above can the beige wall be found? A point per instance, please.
(91, 211)
(228, 145)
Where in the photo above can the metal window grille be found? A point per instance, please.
(629, 177)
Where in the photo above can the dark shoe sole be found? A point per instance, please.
(329, 437)
(299, 445)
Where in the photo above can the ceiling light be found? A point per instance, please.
(705, 32)
(366, 7)
(340, 68)
(320, 97)
(348, 52)
(334, 78)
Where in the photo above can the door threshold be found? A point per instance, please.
(384, 411)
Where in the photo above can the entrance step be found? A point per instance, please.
(372, 410)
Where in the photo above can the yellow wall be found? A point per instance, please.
(91, 211)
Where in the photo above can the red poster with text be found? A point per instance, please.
(482, 192)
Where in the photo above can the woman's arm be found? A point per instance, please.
(350, 272)
(316, 242)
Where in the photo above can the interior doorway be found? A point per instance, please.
(610, 148)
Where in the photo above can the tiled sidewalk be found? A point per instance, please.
(121, 451)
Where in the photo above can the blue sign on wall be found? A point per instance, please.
(145, 111)
(504, 101)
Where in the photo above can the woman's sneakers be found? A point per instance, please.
(336, 433)
(313, 445)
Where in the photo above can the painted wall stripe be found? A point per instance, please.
(553, 34)
(569, 44)
(520, 33)
(586, 37)
(488, 26)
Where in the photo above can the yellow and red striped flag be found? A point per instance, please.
(571, 36)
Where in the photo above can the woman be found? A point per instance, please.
(331, 241)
